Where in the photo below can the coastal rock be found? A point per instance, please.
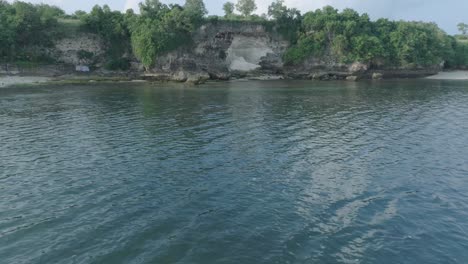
(223, 76)
(180, 76)
(352, 78)
(377, 76)
(328, 76)
(198, 78)
(220, 50)
(157, 77)
(246, 52)
(272, 62)
(223, 50)
(84, 48)
(320, 76)
(358, 67)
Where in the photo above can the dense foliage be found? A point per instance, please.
(460, 54)
(287, 20)
(463, 28)
(157, 29)
(24, 25)
(326, 34)
(348, 36)
(246, 7)
(113, 29)
(160, 27)
(228, 8)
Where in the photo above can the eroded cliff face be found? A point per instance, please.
(68, 50)
(219, 51)
(246, 52)
(83, 49)
(222, 51)
(225, 50)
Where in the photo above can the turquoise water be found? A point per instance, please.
(241, 172)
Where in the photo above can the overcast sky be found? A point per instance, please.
(446, 13)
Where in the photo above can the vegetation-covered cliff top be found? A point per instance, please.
(346, 35)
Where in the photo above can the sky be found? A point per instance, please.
(447, 14)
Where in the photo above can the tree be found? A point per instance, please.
(366, 48)
(112, 27)
(152, 8)
(347, 37)
(143, 43)
(228, 8)
(50, 12)
(463, 28)
(7, 31)
(28, 23)
(24, 26)
(288, 20)
(161, 28)
(418, 44)
(246, 7)
(195, 8)
(79, 14)
(277, 9)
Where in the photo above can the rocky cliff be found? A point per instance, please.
(220, 51)
(227, 50)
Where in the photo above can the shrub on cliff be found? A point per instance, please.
(287, 20)
(112, 27)
(348, 36)
(161, 28)
(246, 7)
(24, 26)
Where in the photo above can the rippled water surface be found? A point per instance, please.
(241, 172)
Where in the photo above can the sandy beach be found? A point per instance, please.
(13, 80)
(451, 75)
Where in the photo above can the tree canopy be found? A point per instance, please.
(228, 8)
(463, 28)
(343, 36)
(195, 8)
(161, 28)
(348, 36)
(23, 25)
(246, 7)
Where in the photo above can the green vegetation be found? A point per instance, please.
(113, 29)
(68, 27)
(195, 8)
(246, 7)
(22, 25)
(327, 33)
(463, 28)
(348, 36)
(161, 28)
(287, 20)
(228, 8)
(460, 53)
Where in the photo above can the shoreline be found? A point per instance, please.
(450, 75)
(12, 80)
(15, 80)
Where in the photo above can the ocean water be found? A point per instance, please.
(239, 172)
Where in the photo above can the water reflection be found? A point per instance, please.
(239, 172)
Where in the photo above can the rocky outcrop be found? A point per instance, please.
(352, 78)
(377, 76)
(81, 49)
(225, 50)
(220, 51)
